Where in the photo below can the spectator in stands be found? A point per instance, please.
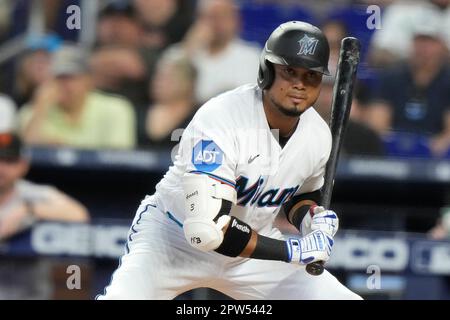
(67, 111)
(393, 41)
(222, 59)
(359, 139)
(414, 96)
(5, 18)
(439, 231)
(7, 114)
(120, 63)
(22, 202)
(164, 21)
(33, 68)
(174, 104)
(117, 26)
(335, 31)
(442, 228)
(122, 71)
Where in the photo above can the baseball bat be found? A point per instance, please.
(340, 111)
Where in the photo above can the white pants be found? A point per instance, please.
(160, 264)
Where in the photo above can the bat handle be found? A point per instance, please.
(315, 268)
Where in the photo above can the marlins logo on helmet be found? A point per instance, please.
(307, 45)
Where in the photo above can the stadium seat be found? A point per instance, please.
(404, 144)
(259, 20)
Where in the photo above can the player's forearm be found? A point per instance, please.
(266, 248)
(296, 214)
(296, 208)
(251, 245)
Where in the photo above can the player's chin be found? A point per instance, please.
(296, 109)
(292, 111)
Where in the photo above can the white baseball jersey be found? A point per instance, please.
(230, 140)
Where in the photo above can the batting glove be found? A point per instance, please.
(318, 218)
(315, 246)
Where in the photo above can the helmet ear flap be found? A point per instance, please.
(265, 73)
(270, 74)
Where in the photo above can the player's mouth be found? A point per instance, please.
(297, 98)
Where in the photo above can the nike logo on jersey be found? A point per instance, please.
(251, 159)
(254, 193)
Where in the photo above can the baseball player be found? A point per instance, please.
(246, 154)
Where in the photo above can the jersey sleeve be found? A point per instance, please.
(208, 147)
(316, 180)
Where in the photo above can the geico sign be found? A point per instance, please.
(431, 257)
(352, 252)
(79, 239)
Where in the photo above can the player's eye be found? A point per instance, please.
(312, 75)
(289, 71)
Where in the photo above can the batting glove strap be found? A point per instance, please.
(313, 247)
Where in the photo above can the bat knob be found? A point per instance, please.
(315, 268)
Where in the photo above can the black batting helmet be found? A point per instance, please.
(297, 44)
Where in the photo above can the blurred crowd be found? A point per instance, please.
(153, 63)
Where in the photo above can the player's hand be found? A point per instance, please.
(318, 218)
(315, 246)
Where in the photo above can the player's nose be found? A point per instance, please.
(298, 83)
(299, 87)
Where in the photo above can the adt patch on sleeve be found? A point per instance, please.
(207, 156)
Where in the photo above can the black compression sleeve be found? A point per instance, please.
(235, 239)
(315, 196)
(238, 236)
(298, 216)
(270, 249)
